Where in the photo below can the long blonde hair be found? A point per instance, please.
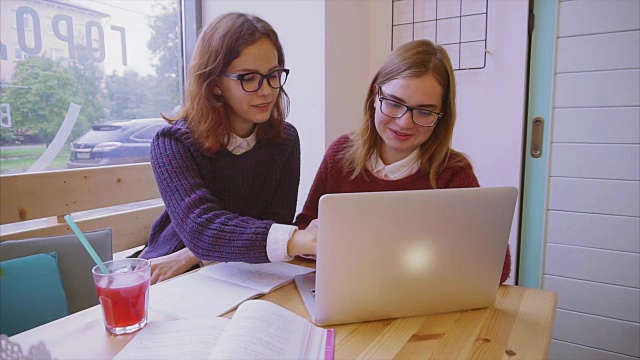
(414, 59)
(208, 114)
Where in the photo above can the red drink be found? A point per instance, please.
(124, 294)
(125, 305)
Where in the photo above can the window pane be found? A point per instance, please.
(69, 65)
(147, 133)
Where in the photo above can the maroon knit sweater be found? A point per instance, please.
(331, 179)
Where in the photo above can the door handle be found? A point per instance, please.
(537, 136)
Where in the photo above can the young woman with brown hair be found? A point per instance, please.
(228, 167)
(404, 140)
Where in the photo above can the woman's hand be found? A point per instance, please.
(304, 242)
(168, 266)
(313, 225)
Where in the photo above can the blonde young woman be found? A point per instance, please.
(228, 167)
(404, 141)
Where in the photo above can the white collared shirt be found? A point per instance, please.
(279, 234)
(238, 145)
(397, 170)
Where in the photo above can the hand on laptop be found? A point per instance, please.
(313, 225)
(304, 242)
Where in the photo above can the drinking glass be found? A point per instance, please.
(124, 294)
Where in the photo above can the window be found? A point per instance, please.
(28, 25)
(148, 132)
(19, 54)
(56, 54)
(49, 25)
(110, 61)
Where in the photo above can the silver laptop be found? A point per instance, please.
(386, 255)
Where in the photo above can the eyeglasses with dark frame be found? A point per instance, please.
(395, 109)
(252, 81)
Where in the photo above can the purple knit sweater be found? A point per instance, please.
(221, 207)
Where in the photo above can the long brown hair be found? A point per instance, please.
(208, 114)
(414, 59)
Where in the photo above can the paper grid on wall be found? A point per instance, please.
(460, 26)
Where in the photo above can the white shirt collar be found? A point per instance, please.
(238, 145)
(398, 170)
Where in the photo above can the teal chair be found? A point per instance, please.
(29, 292)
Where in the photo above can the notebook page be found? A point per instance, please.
(197, 296)
(262, 277)
(179, 339)
(262, 330)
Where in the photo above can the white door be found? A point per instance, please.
(487, 42)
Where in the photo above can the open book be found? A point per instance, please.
(217, 289)
(258, 330)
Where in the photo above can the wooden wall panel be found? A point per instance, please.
(592, 255)
(596, 161)
(598, 89)
(611, 197)
(561, 350)
(604, 266)
(56, 193)
(597, 125)
(617, 302)
(620, 233)
(596, 17)
(590, 53)
(594, 331)
(130, 228)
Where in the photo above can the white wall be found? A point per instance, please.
(593, 219)
(379, 34)
(301, 28)
(346, 51)
(491, 106)
(357, 42)
(358, 39)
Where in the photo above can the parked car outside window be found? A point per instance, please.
(115, 142)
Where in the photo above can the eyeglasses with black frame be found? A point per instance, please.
(252, 81)
(395, 109)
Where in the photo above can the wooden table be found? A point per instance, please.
(517, 326)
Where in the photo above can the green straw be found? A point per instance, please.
(86, 244)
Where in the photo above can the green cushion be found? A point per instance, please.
(31, 293)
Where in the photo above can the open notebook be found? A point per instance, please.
(219, 288)
(258, 330)
(405, 253)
